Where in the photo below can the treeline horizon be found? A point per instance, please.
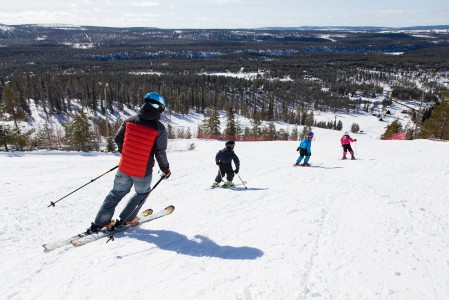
(299, 71)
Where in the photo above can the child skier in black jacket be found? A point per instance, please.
(224, 159)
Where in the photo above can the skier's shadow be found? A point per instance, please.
(239, 188)
(198, 246)
(321, 167)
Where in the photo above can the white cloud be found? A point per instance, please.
(142, 15)
(144, 3)
(390, 12)
(215, 13)
(202, 19)
(144, 19)
(42, 16)
(223, 1)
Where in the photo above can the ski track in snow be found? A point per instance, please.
(373, 228)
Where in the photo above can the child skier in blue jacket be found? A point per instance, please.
(304, 150)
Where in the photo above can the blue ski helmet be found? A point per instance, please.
(310, 134)
(155, 100)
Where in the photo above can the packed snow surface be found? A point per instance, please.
(373, 228)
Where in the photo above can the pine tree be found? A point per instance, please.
(271, 132)
(170, 132)
(78, 134)
(110, 144)
(392, 128)
(199, 129)
(11, 103)
(271, 109)
(188, 133)
(281, 134)
(180, 134)
(247, 132)
(213, 124)
(294, 134)
(437, 126)
(257, 124)
(5, 136)
(355, 128)
(238, 128)
(339, 125)
(230, 129)
(309, 119)
(204, 127)
(21, 140)
(46, 138)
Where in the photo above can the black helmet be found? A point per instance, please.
(230, 145)
(155, 100)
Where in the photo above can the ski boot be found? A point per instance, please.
(344, 157)
(228, 184)
(295, 164)
(133, 222)
(94, 228)
(353, 157)
(306, 165)
(215, 185)
(119, 223)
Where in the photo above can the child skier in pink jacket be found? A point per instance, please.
(346, 144)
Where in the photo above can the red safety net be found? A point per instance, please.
(223, 137)
(398, 136)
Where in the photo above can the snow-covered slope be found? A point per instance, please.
(373, 228)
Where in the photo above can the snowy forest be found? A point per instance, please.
(87, 78)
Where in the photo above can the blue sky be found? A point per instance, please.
(226, 13)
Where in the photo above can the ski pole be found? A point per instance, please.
(242, 181)
(92, 180)
(111, 236)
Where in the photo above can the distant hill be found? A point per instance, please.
(358, 28)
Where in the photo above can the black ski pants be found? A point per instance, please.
(225, 169)
(346, 148)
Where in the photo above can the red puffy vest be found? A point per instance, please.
(136, 150)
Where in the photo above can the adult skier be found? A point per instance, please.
(305, 150)
(141, 140)
(346, 144)
(224, 159)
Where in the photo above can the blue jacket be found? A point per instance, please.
(306, 144)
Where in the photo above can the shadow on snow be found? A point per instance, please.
(240, 188)
(321, 167)
(199, 246)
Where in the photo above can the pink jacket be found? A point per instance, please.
(346, 140)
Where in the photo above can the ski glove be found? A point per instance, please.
(166, 174)
(236, 171)
(355, 140)
(309, 154)
(297, 149)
